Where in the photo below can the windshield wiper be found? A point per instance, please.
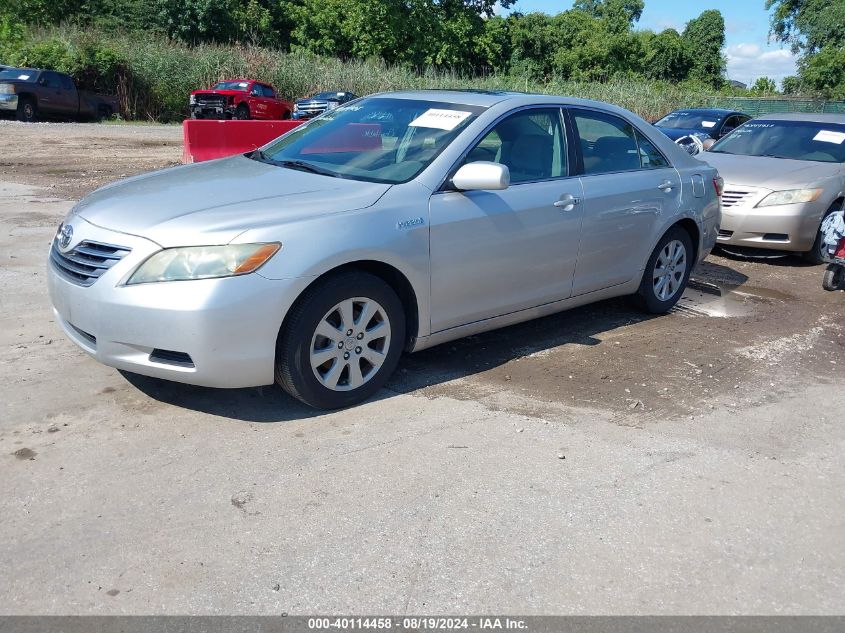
(303, 166)
(260, 156)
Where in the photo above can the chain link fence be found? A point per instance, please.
(757, 107)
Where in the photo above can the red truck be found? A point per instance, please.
(239, 99)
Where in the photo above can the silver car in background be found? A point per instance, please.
(395, 222)
(784, 173)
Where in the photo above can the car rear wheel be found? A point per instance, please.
(816, 255)
(27, 110)
(242, 112)
(341, 341)
(667, 272)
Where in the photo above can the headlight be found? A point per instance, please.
(192, 100)
(296, 107)
(203, 262)
(793, 196)
(7, 89)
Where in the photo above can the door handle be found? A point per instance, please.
(567, 202)
(666, 185)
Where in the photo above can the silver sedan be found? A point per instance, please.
(784, 173)
(394, 222)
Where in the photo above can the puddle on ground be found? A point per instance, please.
(724, 301)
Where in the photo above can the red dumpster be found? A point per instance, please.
(207, 139)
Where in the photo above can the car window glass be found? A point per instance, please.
(50, 80)
(67, 82)
(530, 143)
(268, 92)
(650, 156)
(608, 143)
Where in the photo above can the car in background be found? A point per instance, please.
(239, 99)
(784, 173)
(33, 94)
(319, 103)
(702, 122)
(399, 222)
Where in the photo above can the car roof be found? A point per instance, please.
(488, 98)
(815, 117)
(718, 111)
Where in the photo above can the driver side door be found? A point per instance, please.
(496, 252)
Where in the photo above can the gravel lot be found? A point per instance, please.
(596, 461)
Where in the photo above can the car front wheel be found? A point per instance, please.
(667, 272)
(27, 110)
(242, 112)
(341, 341)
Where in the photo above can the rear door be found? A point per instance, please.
(629, 189)
(495, 252)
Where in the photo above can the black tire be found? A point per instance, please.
(286, 115)
(832, 279)
(27, 110)
(816, 255)
(242, 112)
(647, 298)
(297, 337)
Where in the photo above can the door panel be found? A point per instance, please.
(629, 190)
(494, 252)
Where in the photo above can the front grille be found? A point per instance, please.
(734, 197)
(87, 261)
(776, 237)
(211, 101)
(88, 337)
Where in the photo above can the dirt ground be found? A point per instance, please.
(745, 370)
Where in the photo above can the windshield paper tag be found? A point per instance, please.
(440, 119)
(708, 124)
(828, 136)
(24, 77)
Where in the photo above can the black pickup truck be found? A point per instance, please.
(34, 94)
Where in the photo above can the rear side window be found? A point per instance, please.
(530, 142)
(268, 91)
(608, 143)
(650, 156)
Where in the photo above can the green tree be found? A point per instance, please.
(808, 25)
(764, 86)
(824, 73)
(705, 38)
(667, 55)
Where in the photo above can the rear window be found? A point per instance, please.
(18, 74)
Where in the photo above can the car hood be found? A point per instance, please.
(215, 201)
(676, 133)
(771, 173)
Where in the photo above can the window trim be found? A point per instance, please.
(637, 131)
(445, 185)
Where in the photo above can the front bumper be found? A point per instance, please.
(212, 112)
(8, 102)
(227, 328)
(788, 227)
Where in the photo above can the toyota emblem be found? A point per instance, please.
(65, 235)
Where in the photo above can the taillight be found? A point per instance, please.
(719, 185)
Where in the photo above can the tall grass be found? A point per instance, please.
(153, 76)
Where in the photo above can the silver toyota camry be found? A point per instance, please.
(784, 173)
(394, 222)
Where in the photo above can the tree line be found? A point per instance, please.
(594, 40)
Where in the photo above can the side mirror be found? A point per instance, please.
(482, 175)
(42, 82)
(708, 144)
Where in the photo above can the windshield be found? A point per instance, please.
(796, 140)
(329, 95)
(682, 120)
(20, 74)
(377, 140)
(240, 86)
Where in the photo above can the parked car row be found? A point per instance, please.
(31, 94)
(784, 174)
(250, 99)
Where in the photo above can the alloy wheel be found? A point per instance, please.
(350, 344)
(669, 270)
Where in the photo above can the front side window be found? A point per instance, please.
(608, 143)
(377, 140)
(268, 92)
(795, 140)
(531, 144)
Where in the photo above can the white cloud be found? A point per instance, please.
(747, 62)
